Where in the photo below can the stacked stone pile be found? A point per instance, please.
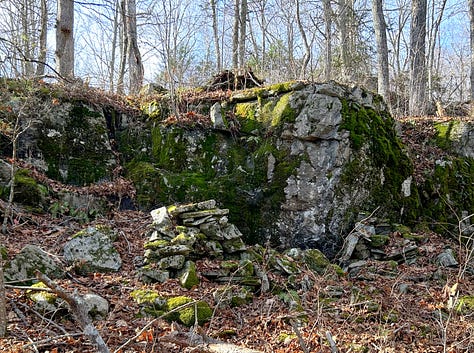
(182, 234)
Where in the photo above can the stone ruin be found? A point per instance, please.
(179, 235)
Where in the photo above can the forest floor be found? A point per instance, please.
(384, 308)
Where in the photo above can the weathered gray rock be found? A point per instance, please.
(447, 258)
(216, 117)
(30, 259)
(461, 135)
(150, 274)
(189, 277)
(69, 142)
(161, 223)
(174, 262)
(96, 306)
(92, 250)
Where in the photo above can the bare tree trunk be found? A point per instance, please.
(43, 39)
(471, 21)
(27, 38)
(382, 49)
(114, 46)
(417, 102)
(307, 47)
(243, 32)
(215, 32)
(235, 36)
(432, 38)
(65, 38)
(328, 39)
(135, 64)
(344, 24)
(123, 50)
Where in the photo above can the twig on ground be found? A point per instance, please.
(77, 308)
(49, 321)
(331, 342)
(300, 337)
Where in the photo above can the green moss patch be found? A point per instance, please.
(199, 312)
(376, 130)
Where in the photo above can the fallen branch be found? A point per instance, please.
(295, 328)
(76, 304)
(331, 342)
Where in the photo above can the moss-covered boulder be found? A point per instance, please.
(198, 312)
(92, 250)
(298, 163)
(31, 258)
(189, 277)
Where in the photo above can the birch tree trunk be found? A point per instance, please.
(135, 65)
(380, 28)
(417, 94)
(65, 38)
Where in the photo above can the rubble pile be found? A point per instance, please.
(180, 235)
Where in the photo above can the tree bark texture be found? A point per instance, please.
(43, 39)
(235, 36)
(123, 50)
(215, 32)
(243, 32)
(417, 91)
(65, 38)
(327, 9)
(307, 47)
(380, 28)
(471, 20)
(135, 64)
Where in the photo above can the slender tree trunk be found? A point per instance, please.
(433, 37)
(65, 38)
(114, 46)
(417, 95)
(215, 32)
(123, 50)
(327, 10)
(235, 36)
(27, 23)
(344, 24)
(307, 47)
(382, 49)
(135, 64)
(243, 32)
(471, 20)
(43, 39)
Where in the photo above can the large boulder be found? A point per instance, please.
(92, 250)
(30, 259)
(296, 165)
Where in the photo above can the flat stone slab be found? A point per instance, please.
(191, 207)
(205, 213)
